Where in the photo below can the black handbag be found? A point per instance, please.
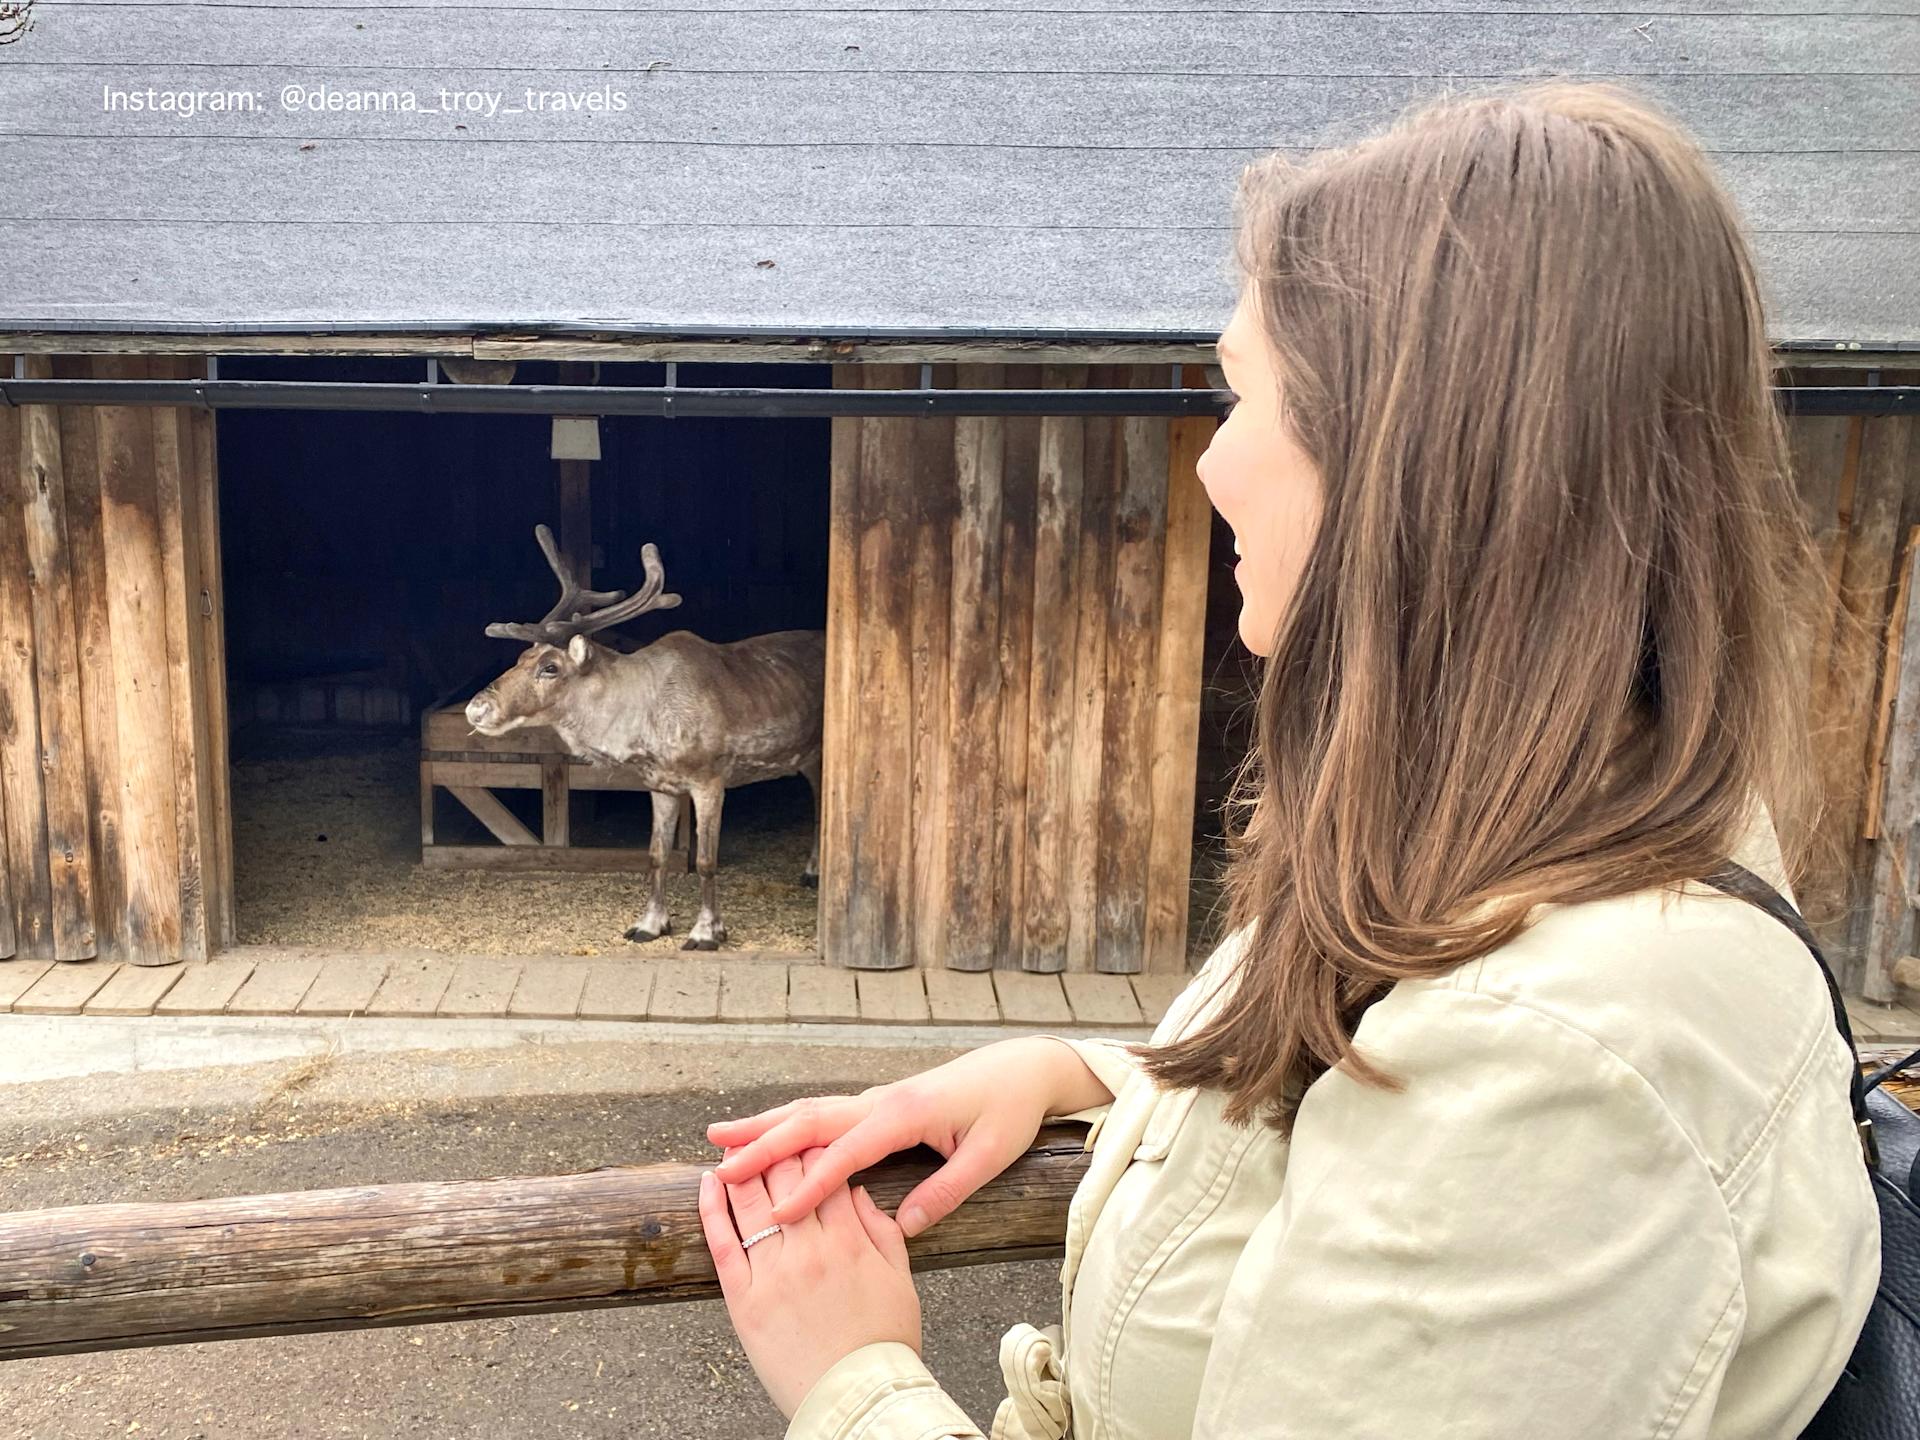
(1878, 1394)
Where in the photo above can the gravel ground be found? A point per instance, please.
(667, 1370)
(326, 852)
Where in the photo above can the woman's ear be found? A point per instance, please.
(578, 650)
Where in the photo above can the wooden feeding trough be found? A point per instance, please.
(470, 767)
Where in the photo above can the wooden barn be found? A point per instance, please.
(894, 323)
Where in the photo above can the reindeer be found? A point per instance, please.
(688, 717)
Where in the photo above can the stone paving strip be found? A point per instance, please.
(755, 988)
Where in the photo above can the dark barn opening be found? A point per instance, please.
(365, 554)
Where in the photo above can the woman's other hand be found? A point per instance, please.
(831, 1281)
(980, 1110)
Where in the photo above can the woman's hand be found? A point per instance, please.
(981, 1111)
(831, 1281)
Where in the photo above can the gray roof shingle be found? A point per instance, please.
(994, 168)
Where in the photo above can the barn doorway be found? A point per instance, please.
(365, 554)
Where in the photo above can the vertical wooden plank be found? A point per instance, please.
(1051, 702)
(931, 494)
(176, 516)
(1849, 685)
(1019, 487)
(974, 677)
(1092, 562)
(9, 942)
(211, 618)
(80, 461)
(575, 483)
(879, 838)
(1889, 686)
(1178, 677)
(1896, 859)
(839, 751)
(553, 800)
(41, 495)
(1825, 453)
(1133, 630)
(136, 609)
(31, 897)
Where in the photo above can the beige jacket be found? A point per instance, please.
(1620, 1197)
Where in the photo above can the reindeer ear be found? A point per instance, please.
(578, 650)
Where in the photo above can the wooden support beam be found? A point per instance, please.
(544, 859)
(554, 816)
(488, 810)
(108, 1277)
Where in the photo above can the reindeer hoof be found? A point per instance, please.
(812, 882)
(638, 933)
(701, 945)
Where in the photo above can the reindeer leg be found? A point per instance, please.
(656, 922)
(810, 877)
(707, 931)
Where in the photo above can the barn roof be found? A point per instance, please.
(1003, 168)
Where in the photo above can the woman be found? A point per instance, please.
(1485, 1121)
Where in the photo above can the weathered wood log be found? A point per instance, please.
(1019, 496)
(63, 760)
(150, 929)
(23, 811)
(879, 857)
(841, 690)
(973, 702)
(932, 512)
(1134, 635)
(1178, 686)
(1092, 543)
(1894, 777)
(109, 1277)
(1050, 704)
(177, 486)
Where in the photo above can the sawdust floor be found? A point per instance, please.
(327, 852)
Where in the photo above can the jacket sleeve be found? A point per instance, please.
(881, 1391)
(1110, 1061)
(1523, 1241)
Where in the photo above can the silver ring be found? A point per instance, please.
(757, 1236)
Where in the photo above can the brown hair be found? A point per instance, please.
(1544, 646)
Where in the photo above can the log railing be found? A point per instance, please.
(104, 1277)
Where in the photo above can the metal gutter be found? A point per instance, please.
(666, 401)
(588, 328)
(669, 400)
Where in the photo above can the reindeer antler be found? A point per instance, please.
(581, 611)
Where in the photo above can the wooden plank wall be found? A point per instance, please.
(112, 676)
(1014, 639)
(1859, 477)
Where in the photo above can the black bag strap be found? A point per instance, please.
(1735, 879)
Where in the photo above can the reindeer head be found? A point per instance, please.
(535, 691)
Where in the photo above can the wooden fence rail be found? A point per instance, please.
(107, 1277)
